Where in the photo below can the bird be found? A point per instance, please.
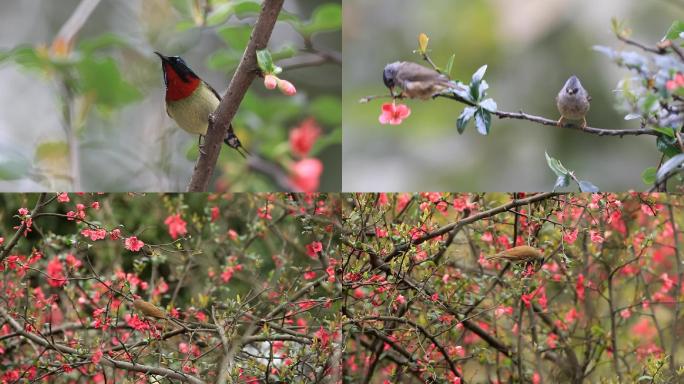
(149, 310)
(573, 102)
(415, 80)
(519, 254)
(190, 101)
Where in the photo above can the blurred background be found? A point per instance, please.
(531, 47)
(91, 116)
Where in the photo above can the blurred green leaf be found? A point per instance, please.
(107, 40)
(236, 37)
(224, 60)
(675, 29)
(483, 121)
(450, 64)
(668, 146)
(102, 78)
(632, 116)
(555, 165)
(323, 142)
(327, 17)
(220, 14)
(649, 175)
(464, 118)
(13, 165)
(586, 186)
(667, 131)
(327, 110)
(562, 181)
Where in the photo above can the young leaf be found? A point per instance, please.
(450, 65)
(489, 105)
(423, 40)
(556, 166)
(586, 186)
(675, 29)
(561, 182)
(265, 61)
(479, 74)
(465, 117)
(483, 121)
(649, 175)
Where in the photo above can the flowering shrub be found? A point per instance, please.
(424, 304)
(242, 287)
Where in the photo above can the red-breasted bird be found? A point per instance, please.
(190, 100)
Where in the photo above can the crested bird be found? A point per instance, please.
(573, 102)
(190, 101)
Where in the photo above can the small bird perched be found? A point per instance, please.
(190, 100)
(415, 80)
(573, 102)
(148, 309)
(519, 254)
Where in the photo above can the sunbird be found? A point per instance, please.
(190, 100)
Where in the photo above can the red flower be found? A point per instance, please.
(214, 213)
(394, 114)
(63, 197)
(313, 249)
(55, 272)
(306, 174)
(303, 137)
(133, 244)
(177, 226)
(678, 82)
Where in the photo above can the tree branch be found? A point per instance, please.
(219, 123)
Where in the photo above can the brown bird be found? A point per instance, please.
(148, 309)
(415, 80)
(519, 254)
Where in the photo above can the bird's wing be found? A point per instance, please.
(213, 90)
(416, 72)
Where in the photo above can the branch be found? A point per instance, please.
(17, 235)
(544, 121)
(219, 122)
(168, 373)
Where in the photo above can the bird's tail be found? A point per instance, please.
(232, 141)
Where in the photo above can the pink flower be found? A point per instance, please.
(133, 244)
(394, 114)
(570, 237)
(55, 272)
(270, 81)
(286, 87)
(579, 287)
(176, 225)
(303, 137)
(625, 313)
(313, 248)
(115, 234)
(306, 174)
(63, 197)
(678, 82)
(23, 211)
(596, 237)
(214, 213)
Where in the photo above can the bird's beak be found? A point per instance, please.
(162, 57)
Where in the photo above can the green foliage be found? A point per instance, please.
(564, 176)
(475, 93)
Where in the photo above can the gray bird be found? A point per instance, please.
(415, 80)
(573, 102)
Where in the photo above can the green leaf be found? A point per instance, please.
(668, 146)
(323, 142)
(265, 61)
(449, 65)
(464, 118)
(556, 166)
(586, 186)
(667, 131)
(668, 167)
(236, 37)
(648, 176)
(675, 29)
(479, 74)
(483, 121)
(107, 40)
(327, 17)
(220, 14)
(633, 116)
(13, 165)
(489, 105)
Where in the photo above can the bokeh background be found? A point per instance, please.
(531, 48)
(126, 142)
